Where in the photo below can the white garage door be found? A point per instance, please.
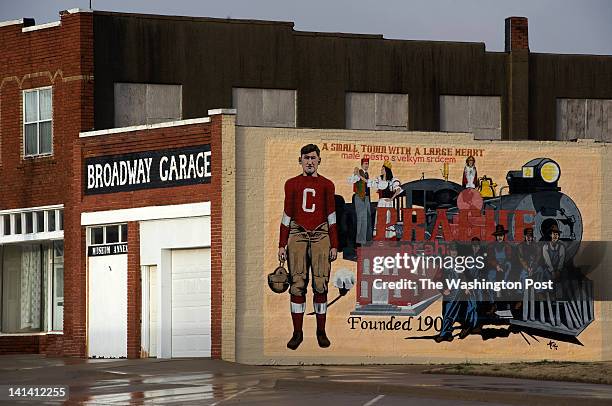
(191, 303)
(107, 321)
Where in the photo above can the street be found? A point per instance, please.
(213, 382)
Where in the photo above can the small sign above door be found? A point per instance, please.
(108, 249)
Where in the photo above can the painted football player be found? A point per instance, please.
(308, 241)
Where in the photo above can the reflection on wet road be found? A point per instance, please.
(213, 382)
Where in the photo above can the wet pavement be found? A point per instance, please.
(213, 382)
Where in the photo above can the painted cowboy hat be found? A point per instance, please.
(500, 230)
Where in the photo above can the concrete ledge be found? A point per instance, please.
(41, 26)
(11, 22)
(166, 124)
(39, 333)
(145, 213)
(78, 10)
(215, 112)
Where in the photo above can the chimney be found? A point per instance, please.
(517, 47)
(517, 33)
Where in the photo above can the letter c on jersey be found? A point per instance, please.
(305, 193)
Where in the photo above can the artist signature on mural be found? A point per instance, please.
(552, 345)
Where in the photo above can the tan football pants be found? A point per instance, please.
(308, 250)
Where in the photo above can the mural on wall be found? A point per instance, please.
(308, 241)
(524, 229)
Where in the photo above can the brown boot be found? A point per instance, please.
(322, 339)
(296, 340)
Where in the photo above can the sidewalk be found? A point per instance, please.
(204, 381)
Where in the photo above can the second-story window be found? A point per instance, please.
(37, 122)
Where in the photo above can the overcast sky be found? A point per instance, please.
(559, 26)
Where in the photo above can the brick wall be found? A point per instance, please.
(20, 344)
(134, 299)
(149, 140)
(216, 262)
(60, 57)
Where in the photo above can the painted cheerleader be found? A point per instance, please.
(388, 188)
(470, 174)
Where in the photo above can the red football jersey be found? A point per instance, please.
(310, 202)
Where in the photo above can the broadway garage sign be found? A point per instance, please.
(148, 170)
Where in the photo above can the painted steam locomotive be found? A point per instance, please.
(532, 189)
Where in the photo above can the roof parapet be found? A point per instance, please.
(78, 10)
(41, 26)
(26, 22)
(165, 124)
(215, 112)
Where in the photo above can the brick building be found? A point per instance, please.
(98, 88)
(46, 98)
(133, 213)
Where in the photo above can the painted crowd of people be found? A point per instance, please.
(540, 262)
(388, 187)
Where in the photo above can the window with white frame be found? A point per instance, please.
(31, 222)
(110, 234)
(32, 287)
(31, 270)
(38, 122)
